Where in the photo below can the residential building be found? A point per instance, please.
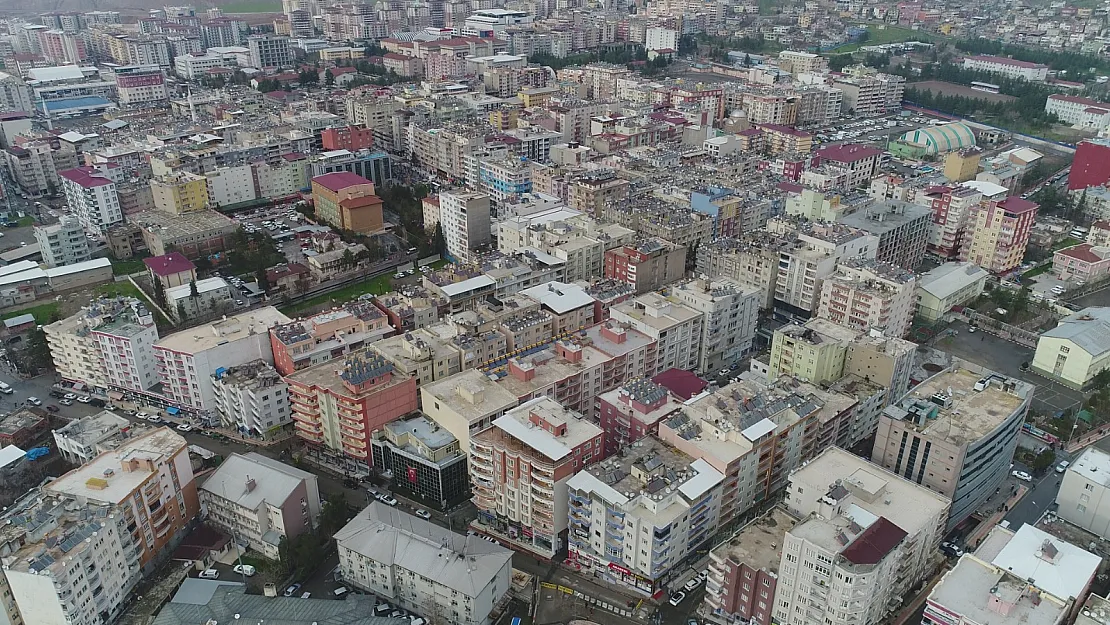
(1087, 166)
(858, 163)
(21, 428)
(538, 443)
(1010, 68)
(865, 537)
(902, 228)
(15, 95)
(125, 343)
(466, 403)
(427, 354)
(149, 481)
(1076, 350)
(962, 165)
(420, 566)
(213, 296)
(998, 232)
(260, 501)
(802, 62)
(429, 465)
(253, 400)
(1081, 263)
(31, 168)
(338, 408)
(808, 254)
(957, 443)
(592, 192)
(951, 284)
(347, 201)
(411, 308)
(743, 572)
(633, 411)
(172, 269)
(661, 39)
(269, 51)
(729, 314)
(869, 93)
(870, 294)
(228, 186)
(465, 223)
(180, 192)
(1025, 575)
(74, 350)
(140, 84)
(677, 329)
(62, 243)
(951, 208)
(329, 335)
(353, 138)
(648, 265)
(92, 198)
(1082, 499)
(660, 508)
(194, 234)
(186, 360)
(1085, 113)
(814, 352)
(81, 440)
(753, 434)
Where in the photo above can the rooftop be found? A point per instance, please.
(1088, 329)
(225, 331)
(559, 297)
(339, 180)
(971, 586)
(520, 423)
(1053, 565)
(22, 419)
(465, 563)
(105, 479)
(759, 543)
(420, 427)
(203, 286)
(948, 279)
(200, 601)
(92, 429)
(470, 393)
(969, 414)
(86, 177)
(252, 480)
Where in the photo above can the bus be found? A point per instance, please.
(985, 86)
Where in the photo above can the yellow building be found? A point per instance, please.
(962, 165)
(336, 54)
(1077, 349)
(814, 352)
(814, 206)
(537, 96)
(180, 193)
(504, 118)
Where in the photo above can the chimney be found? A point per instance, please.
(250, 484)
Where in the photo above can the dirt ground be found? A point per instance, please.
(949, 88)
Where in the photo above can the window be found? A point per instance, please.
(1088, 487)
(1081, 508)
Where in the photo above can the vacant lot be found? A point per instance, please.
(951, 88)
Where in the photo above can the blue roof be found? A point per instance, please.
(77, 103)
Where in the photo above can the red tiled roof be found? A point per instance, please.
(1017, 205)
(292, 269)
(681, 382)
(360, 201)
(293, 156)
(1102, 224)
(87, 177)
(1005, 61)
(848, 152)
(1083, 252)
(874, 543)
(1095, 110)
(789, 187)
(169, 264)
(340, 180)
(1074, 99)
(393, 56)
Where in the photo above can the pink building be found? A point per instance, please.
(951, 208)
(1081, 263)
(633, 411)
(998, 233)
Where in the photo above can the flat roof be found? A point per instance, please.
(970, 586)
(87, 265)
(1052, 564)
(560, 297)
(972, 414)
(759, 543)
(470, 393)
(1094, 465)
(516, 423)
(103, 478)
(227, 330)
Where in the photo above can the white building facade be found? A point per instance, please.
(63, 243)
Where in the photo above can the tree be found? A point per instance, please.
(159, 293)
(329, 78)
(334, 514)
(307, 77)
(747, 60)
(181, 310)
(439, 242)
(302, 284)
(263, 282)
(193, 292)
(35, 356)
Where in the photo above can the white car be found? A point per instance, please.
(141, 415)
(209, 574)
(34, 401)
(677, 598)
(244, 569)
(388, 500)
(184, 427)
(70, 396)
(84, 399)
(1022, 475)
(692, 584)
(424, 514)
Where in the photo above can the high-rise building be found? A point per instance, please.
(677, 328)
(269, 51)
(633, 411)
(465, 222)
(659, 507)
(347, 201)
(647, 265)
(902, 228)
(951, 208)
(63, 243)
(429, 464)
(126, 347)
(868, 294)
(729, 314)
(956, 433)
(74, 349)
(92, 197)
(179, 193)
(329, 335)
(253, 399)
(522, 496)
(998, 232)
(15, 95)
(137, 84)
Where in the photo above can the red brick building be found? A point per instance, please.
(353, 138)
(633, 411)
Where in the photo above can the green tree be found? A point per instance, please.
(307, 77)
(329, 78)
(263, 281)
(439, 242)
(181, 310)
(348, 258)
(193, 289)
(334, 514)
(159, 293)
(1043, 461)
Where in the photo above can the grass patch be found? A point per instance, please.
(1068, 242)
(25, 222)
(43, 313)
(127, 267)
(377, 286)
(253, 6)
(886, 34)
(1036, 271)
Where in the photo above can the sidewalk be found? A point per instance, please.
(987, 524)
(1087, 439)
(912, 607)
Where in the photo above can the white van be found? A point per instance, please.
(5, 389)
(339, 592)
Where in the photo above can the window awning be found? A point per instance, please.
(116, 395)
(172, 410)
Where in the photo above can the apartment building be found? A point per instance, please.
(809, 254)
(1028, 575)
(751, 260)
(660, 507)
(633, 411)
(419, 566)
(228, 186)
(430, 458)
(755, 434)
(729, 314)
(592, 192)
(338, 408)
(866, 294)
(31, 167)
(347, 201)
(734, 212)
(951, 208)
(74, 350)
(269, 51)
(465, 403)
(957, 443)
(139, 84)
(426, 354)
(902, 228)
(465, 222)
(1078, 111)
(329, 335)
(180, 192)
(858, 163)
(865, 537)
(186, 361)
(62, 243)
(814, 352)
(648, 265)
(1010, 68)
(81, 440)
(44, 538)
(92, 197)
(802, 62)
(125, 345)
(213, 295)
(676, 328)
(149, 481)
(998, 232)
(870, 95)
(253, 400)
(259, 501)
(15, 95)
(519, 469)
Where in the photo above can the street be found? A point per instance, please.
(1037, 500)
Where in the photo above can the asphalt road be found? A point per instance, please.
(1037, 500)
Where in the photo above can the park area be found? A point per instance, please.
(941, 87)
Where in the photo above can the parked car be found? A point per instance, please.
(424, 514)
(65, 402)
(1063, 466)
(692, 584)
(951, 550)
(244, 569)
(1022, 475)
(209, 574)
(677, 598)
(69, 396)
(292, 590)
(84, 399)
(388, 500)
(34, 401)
(184, 427)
